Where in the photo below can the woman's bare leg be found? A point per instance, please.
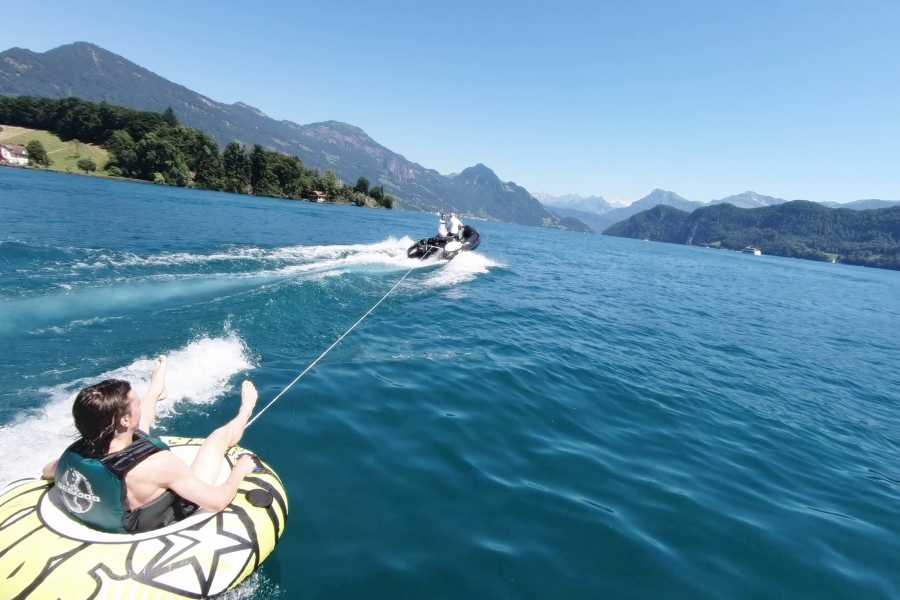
(208, 461)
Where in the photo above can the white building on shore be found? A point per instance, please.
(14, 154)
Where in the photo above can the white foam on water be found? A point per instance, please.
(198, 373)
(391, 253)
(57, 313)
(74, 325)
(388, 248)
(466, 266)
(256, 587)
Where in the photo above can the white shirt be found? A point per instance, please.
(442, 229)
(455, 224)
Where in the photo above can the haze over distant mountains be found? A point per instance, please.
(866, 204)
(594, 204)
(89, 72)
(600, 215)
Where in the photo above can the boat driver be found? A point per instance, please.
(118, 478)
(455, 226)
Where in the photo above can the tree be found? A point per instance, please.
(330, 184)
(87, 165)
(121, 149)
(378, 193)
(388, 201)
(204, 160)
(362, 185)
(262, 177)
(158, 154)
(37, 155)
(236, 166)
(170, 118)
(288, 171)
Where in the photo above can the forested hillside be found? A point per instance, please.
(800, 229)
(155, 147)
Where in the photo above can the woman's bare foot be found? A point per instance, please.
(235, 427)
(249, 396)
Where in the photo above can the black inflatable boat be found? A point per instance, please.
(445, 247)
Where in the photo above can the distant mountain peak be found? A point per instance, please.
(479, 169)
(342, 127)
(82, 44)
(661, 196)
(480, 173)
(569, 202)
(750, 199)
(17, 50)
(83, 48)
(750, 194)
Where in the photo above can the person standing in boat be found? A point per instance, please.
(118, 478)
(456, 226)
(442, 226)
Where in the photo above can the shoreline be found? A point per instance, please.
(165, 185)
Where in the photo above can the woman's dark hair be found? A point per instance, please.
(97, 411)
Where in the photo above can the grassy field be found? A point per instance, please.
(64, 155)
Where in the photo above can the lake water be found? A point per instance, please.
(558, 415)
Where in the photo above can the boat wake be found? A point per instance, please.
(81, 287)
(465, 267)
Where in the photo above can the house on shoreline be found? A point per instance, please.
(14, 154)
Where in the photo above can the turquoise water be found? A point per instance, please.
(558, 415)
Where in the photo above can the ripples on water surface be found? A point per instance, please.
(557, 415)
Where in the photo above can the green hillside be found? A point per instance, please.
(65, 155)
(798, 229)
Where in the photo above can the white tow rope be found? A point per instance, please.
(327, 350)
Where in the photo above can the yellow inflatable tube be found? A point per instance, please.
(46, 554)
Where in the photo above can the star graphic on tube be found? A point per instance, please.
(213, 541)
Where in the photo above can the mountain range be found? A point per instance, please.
(601, 215)
(590, 204)
(866, 204)
(92, 73)
(802, 229)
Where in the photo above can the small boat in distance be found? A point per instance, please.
(752, 250)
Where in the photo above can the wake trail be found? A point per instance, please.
(249, 267)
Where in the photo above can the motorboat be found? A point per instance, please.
(445, 247)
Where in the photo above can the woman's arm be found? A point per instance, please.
(179, 478)
(155, 392)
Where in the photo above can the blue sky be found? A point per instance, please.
(793, 99)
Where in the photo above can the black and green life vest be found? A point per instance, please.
(92, 490)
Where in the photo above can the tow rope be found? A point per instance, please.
(327, 350)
